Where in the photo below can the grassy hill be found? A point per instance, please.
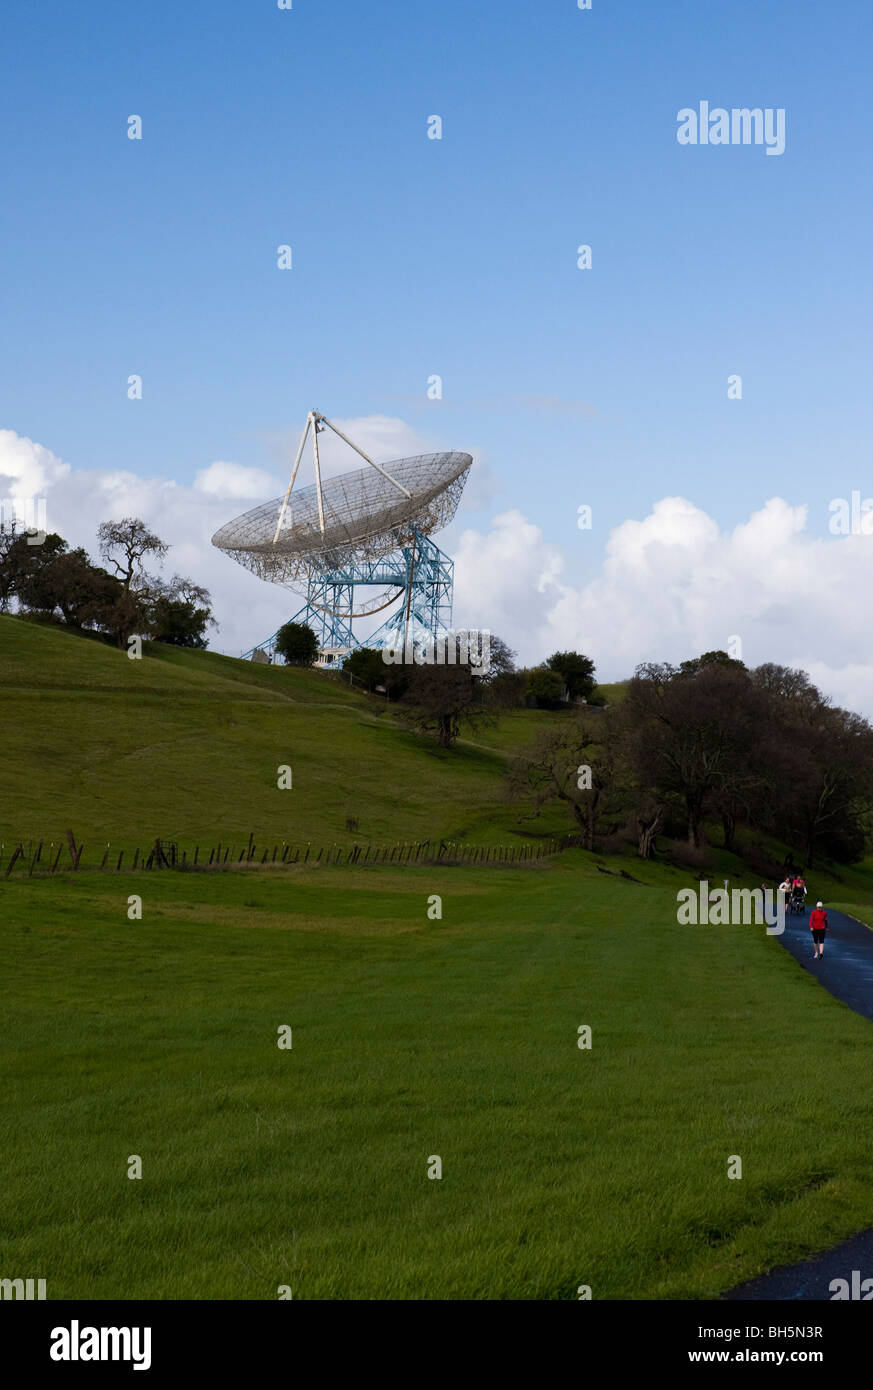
(187, 745)
(413, 1036)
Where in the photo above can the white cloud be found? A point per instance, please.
(27, 469)
(185, 516)
(507, 581)
(234, 480)
(674, 585)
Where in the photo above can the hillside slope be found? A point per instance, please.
(188, 744)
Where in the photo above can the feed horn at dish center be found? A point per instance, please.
(357, 545)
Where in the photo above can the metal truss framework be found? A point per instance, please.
(420, 579)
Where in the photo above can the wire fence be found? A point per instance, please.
(66, 856)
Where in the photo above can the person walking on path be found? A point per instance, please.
(818, 925)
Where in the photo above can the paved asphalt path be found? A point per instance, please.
(847, 971)
(810, 1282)
(847, 968)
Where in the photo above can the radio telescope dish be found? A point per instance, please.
(349, 520)
(364, 516)
(349, 531)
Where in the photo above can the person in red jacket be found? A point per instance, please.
(818, 925)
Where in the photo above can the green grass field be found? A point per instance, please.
(414, 1038)
(188, 745)
(411, 1037)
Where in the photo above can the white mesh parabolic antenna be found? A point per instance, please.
(349, 520)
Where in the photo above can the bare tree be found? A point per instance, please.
(125, 545)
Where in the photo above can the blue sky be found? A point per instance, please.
(457, 257)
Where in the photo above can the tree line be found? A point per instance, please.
(711, 743)
(440, 698)
(52, 582)
(707, 743)
(564, 677)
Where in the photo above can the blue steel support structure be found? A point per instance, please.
(423, 577)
